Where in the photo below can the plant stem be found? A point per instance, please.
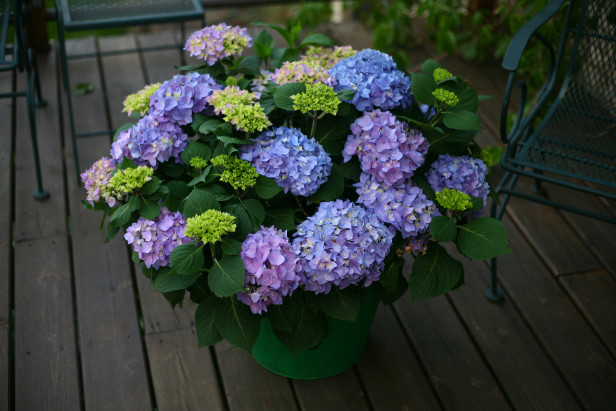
(301, 207)
(315, 118)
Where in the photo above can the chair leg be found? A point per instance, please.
(40, 193)
(39, 100)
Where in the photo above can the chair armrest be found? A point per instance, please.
(522, 37)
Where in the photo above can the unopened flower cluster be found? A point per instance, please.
(210, 226)
(317, 97)
(154, 240)
(297, 163)
(239, 173)
(239, 108)
(139, 102)
(271, 269)
(127, 181)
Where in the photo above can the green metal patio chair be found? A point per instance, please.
(16, 56)
(574, 143)
(79, 15)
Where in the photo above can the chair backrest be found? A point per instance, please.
(591, 73)
(12, 47)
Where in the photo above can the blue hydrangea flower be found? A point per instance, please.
(404, 205)
(178, 98)
(297, 163)
(341, 245)
(150, 142)
(376, 80)
(271, 269)
(464, 173)
(386, 148)
(154, 240)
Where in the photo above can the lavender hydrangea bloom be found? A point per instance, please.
(217, 42)
(150, 142)
(95, 180)
(404, 205)
(341, 245)
(386, 148)
(463, 173)
(376, 80)
(271, 269)
(181, 96)
(297, 163)
(154, 240)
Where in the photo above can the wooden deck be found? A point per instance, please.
(81, 328)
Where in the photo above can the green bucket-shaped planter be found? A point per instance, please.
(339, 350)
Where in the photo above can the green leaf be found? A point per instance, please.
(308, 331)
(255, 211)
(226, 278)
(171, 169)
(111, 232)
(120, 216)
(391, 294)
(207, 333)
(392, 271)
(231, 246)
(198, 202)
(178, 190)
(483, 238)
(201, 177)
(317, 39)
(166, 281)
(468, 100)
(196, 149)
(334, 186)
(122, 128)
(199, 290)
(249, 65)
(263, 44)
(459, 119)
(242, 220)
(282, 95)
(286, 35)
(151, 186)
(209, 126)
(279, 56)
(149, 209)
(226, 140)
(175, 297)
(283, 218)
(429, 66)
(434, 273)
(187, 259)
(266, 187)
(282, 317)
(237, 323)
(81, 89)
(126, 163)
(341, 304)
(422, 86)
(443, 228)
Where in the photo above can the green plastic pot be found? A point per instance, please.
(339, 350)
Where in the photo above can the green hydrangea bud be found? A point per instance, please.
(441, 74)
(210, 226)
(318, 97)
(231, 81)
(445, 96)
(139, 102)
(239, 173)
(198, 163)
(238, 109)
(454, 200)
(129, 180)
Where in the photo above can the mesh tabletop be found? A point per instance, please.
(94, 14)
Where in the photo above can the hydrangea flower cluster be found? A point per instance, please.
(454, 200)
(404, 205)
(376, 80)
(327, 57)
(440, 74)
(341, 245)
(139, 102)
(302, 72)
(446, 97)
(127, 181)
(217, 42)
(239, 173)
(297, 163)
(96, 178)
(154, 240)
(385, 147)
(271, 269)
(239, 108)
(318, 97)
(463, 173)
(150, 142)
(184, 94)
(210, 226)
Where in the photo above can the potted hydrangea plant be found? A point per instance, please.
(280, 191)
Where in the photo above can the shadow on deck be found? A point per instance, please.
(81, 328)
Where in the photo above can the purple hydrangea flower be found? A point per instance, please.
(463, 173)
(181, 96)
(302, 72)
(341, 244)
(418, 244)
(376, 80)
(95, 180)
(217, 42)
(297, 163)
(386, 148)
(271, 269)
(150, 142)
(154, 240)
(404, 205)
